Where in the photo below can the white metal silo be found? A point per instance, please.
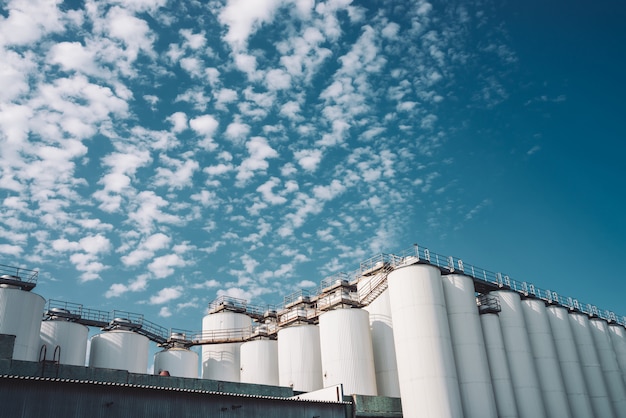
(618, 340)
(178, 361)
(546, 358)
(592, 370)
(477, 396)
(498, 366)
(384, 350)
(300, 358)
(610, 368)
(576, 389)
(530, 403)
(426, 369)
(347, 354)
(259, 362)
(69, 337)
(21, 313)
(220, 361)
(120, 349)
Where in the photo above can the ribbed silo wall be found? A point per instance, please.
(477, 396)
(120, 349)
(300, 358)
(259, 362)
(20, 315)
(347, 354)
(546, 358)
(592, 370)
(530, 403)
(221, 361)
(179, 362)
(498, 366)
(618, 340)
(571, 368)
(384, 350)
(70, 337)
(428, 381)
(610, 368)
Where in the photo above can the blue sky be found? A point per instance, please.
(157, 154)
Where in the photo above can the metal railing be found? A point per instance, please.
(18, 276)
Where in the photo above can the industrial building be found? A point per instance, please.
(414, 334)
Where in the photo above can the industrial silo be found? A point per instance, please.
(20, 315)
(592, 370)
(178, 361)
(220, 358)
(120, 349)
(498, 366)
(65, 342)
(300, 358)
(384, 350)
(347, 354)
(426, 369)
(575, 387)
(530, 403)
(610, 368)
(477, 396)
(259, 362)
(618, 340)
(546, 358)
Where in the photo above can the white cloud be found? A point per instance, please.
(309, 159)
(165, 312)
(164, 265)
(166, 294)
(243, 18)
(259, 152)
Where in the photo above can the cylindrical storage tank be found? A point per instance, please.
(426, 369)
(120, 349)
(69, 337)
(546, 358)
(575, 387)
(259, 362)
(498, 366)
(470, 356)
(178, 361)
(347, 354)
(221, 361)
(384, 350)
(592, 370)
(300, 358)
(618, 340)
(20, 315)
(608, 361)
(528, 395)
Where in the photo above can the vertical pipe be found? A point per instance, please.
(426, 369)
(470, 356)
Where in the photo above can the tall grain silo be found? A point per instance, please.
(470, 355)
(498, 365)
(120, 349)
(178, 361)
(346, 348)
(592, 370)
(610, 368)
(546, 358)
(571, 368)
(300, 358)
(66, 342)
(21, 313)
(426, 370)
(221, 360)
(618, 340)
(384, 350)
(530, 403)
(259, 362)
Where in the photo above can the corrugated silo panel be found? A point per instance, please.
(384, 350)
(426, 369)
(300, 358)
(259, 362)
(610, 368)
(179, 362)
(470, 355)
(592, 370)
(498, 366)
(347, 354)
(530, 403)
(120, 349)
(70, 337)
(575, 387)
(618, 339)
(21, 313)
(546, 358)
